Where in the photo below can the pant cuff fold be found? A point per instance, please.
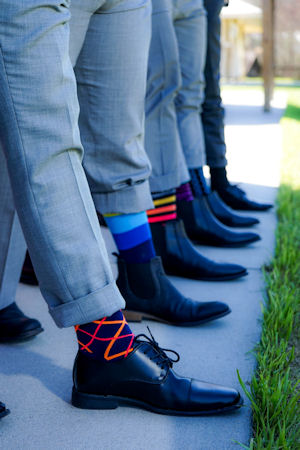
(133, 199)
(100, 303)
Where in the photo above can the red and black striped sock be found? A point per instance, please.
(165, 207)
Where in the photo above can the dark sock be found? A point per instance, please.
(165, 207)
(132, 236)
(218, 178)
(106, 339)
(198, 182)
(184, 193)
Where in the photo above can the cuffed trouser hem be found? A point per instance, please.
(170, 181)
(195, 161)
(101, 303)
(130, 200)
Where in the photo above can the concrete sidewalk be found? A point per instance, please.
(35, 377)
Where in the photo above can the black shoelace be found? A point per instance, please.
(161, 356)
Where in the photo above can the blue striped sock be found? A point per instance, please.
(132, 236)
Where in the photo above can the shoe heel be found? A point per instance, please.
(132, 316)
(89, 401)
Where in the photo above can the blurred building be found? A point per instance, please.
(287, 38)
(241, 39)
(242, 32)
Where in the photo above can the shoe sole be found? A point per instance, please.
(90, 401)
(237, 225)
(228, 277)
(206, 243)
(22, 337)
(135, 316)
(245, 209)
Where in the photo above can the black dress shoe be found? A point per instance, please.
(203, 228)
(28, 274)
(145, 379)
(181, 258)
(150, 295)
(3, 411)
(226, 215)
(236, 198)
(15, 326)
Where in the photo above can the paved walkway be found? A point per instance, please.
(35, 377)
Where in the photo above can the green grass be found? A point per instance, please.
(274, 392)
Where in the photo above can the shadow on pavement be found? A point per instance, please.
(251, 115)
(55, 378)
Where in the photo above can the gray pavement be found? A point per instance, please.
(36, 378)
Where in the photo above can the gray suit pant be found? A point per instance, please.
(43, 152)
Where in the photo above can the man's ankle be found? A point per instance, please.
(218, 177)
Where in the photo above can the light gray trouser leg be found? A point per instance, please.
(12, 243)
(162, 139)
(107, 30)
(111, 78)
(190, 23)
(40, 137)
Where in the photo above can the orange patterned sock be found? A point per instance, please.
(106, 339)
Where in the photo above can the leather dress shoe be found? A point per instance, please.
(203, 228)
(15, 326)
(236, 198)
(180, 257)
(3, 410)
(226, 215)
(145, 379)
(150, 295)
(28, 274)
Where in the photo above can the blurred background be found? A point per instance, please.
(254, 28)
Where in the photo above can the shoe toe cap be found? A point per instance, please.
(211, 310)
(249, 221)
(30, 324)
(250, 237)
(234, 269)
(20, 329)
(211, 397)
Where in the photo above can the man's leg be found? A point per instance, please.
(113, 74)
(45, 169)
(165, 152)
(213, 120)
(162, 139)
(191, 26)
(14, 325)
(12, 243)
(191, 34)
(111, 80)
(200, 222)
(43, 151)
(213, 111)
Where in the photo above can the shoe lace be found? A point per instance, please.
(160, 355)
